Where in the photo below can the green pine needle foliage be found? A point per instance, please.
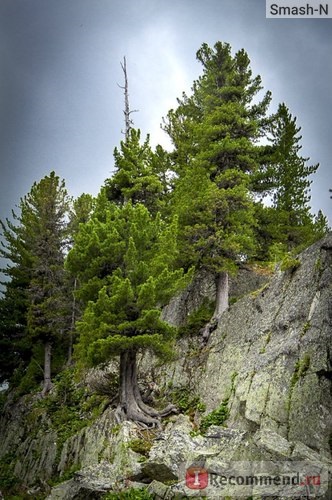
(126, 264)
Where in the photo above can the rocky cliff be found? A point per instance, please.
(255, 399)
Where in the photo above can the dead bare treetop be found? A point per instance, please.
(127, 112)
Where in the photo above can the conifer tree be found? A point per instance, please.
(139, 174)
(291, 222)
(125, 265)
(80, 212)
(44, 212)
(35, 246)
(215, 132)
(15, 348)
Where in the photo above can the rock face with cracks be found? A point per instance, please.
(263, 383)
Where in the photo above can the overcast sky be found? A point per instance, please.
(61, 107)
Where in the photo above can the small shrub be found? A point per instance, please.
(103, 383)
(220, 414)
(185, 400)
(216, 417)
(8, 480)
(29, 380)
(289, 263)
(131, 494)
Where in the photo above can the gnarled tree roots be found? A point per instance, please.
(131, 406)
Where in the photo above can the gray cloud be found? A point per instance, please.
(61, 107)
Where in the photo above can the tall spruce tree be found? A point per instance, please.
(125, 262)
(288, 222)
(44, 211)
(35, 246)
(215, 133)
(15, 348)
(293, 179)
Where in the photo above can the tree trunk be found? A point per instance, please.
(47, 368)
(72, 325)
(222, 292)
(127, 112)
(131, 405)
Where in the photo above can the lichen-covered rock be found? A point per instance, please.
(266, 367)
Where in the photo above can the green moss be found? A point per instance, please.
(267, 340)
(301, 367)
(143, 444)
(68, 474)
(233, 300)
(306, 327)
(289, 263)
(131, 494)
(115, 429)
(260, 290)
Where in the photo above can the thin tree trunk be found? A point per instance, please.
(72, 325)
(131, 405)
(127, 112)
(222, 293)
(47, 368)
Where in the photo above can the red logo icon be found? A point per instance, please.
(311, 481)
(197, 478)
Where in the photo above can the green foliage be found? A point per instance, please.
(130, 494)
(29, 380)
(140, 175)
(291, 170)
(306, 327)
(185, 400)
(289, 221)
(34, 302)
(214, 132)
(8, 480)
(216, 417)
(300, 369)
(80, 212)
(289, 263)
(69, 473)
(197, 319)
(69, 407)
(220, 414)
(126, 267)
